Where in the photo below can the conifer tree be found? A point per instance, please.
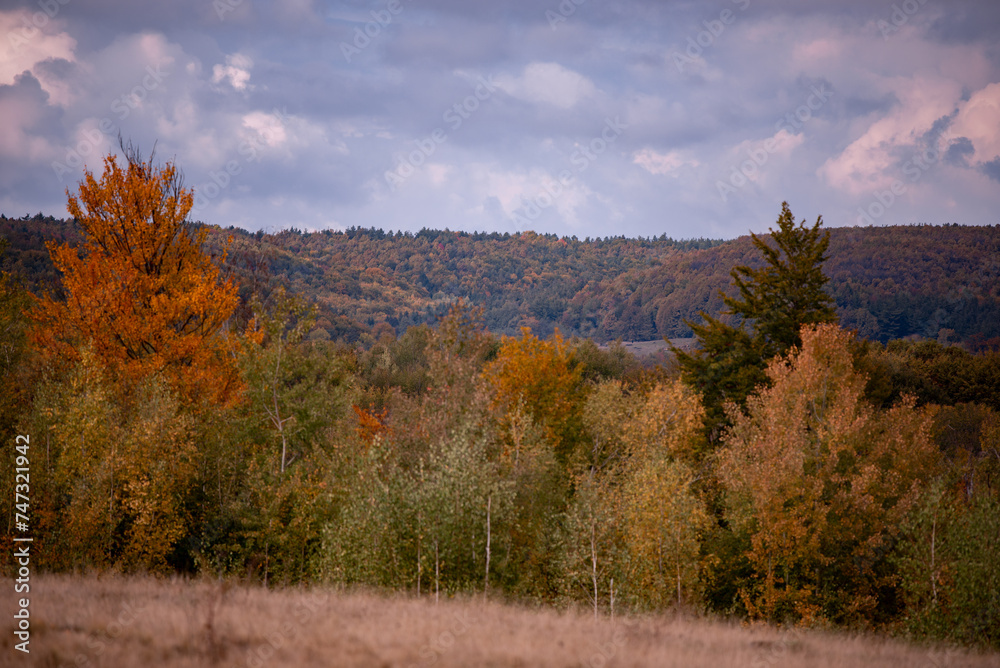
(773, 303)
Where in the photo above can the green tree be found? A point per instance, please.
(16, 382)
(299, 387)
(590, 550)
(441, 526)
(116, 472)
(949, 568)
(363, 544)
(461, 506)
(14, 301)
(774, 301)
(297, 393)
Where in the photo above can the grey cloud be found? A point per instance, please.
(991, 169)
(962, 22)
(959, 151)
(353, 120)
(939, 126)
(862, 106)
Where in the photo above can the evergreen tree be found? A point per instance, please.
(774, 301)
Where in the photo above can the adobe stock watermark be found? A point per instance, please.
(287, 632)
(899, 17)
(220, 180)
(772, 652)
(706, 38)
(122, 106)
(32, 25)
(882, 201)
(98, 642)
(381, 19)
(606, 652)
(223, 7)
(581, 159)
(455, 116)
(434, 650)
(564, 10)
(746, 171)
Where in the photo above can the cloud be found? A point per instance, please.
(548, 84)
(959, 151)
(662, 163)
(978, 122)
(236, 72)
(869, 162)
(268, 128)
(991, 169)
(24, 47)
(26, 116)
(761, 153)
(265, 88)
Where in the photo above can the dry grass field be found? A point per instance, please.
(145, 622)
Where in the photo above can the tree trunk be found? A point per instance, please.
(593, 562)
(489, 503)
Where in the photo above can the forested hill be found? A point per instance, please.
(888, 282)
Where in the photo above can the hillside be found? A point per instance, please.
(116, 621)
(888, 282)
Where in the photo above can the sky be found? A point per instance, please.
(576, 117)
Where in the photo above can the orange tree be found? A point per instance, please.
(539, 377)
(142, 293)
(821, 480)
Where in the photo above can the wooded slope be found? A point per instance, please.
(888, 282)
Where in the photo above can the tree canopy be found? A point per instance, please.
(774, 302)
(139, 289)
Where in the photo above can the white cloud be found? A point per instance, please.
(438, 173)
(236, 71)
(517, 188)
(781, 144)
(979, 121)
(23, 46)
(268, 127)
(868, 162)
(662, 163)
(817, 51)
(548, 83)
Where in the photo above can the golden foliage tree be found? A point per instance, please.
(820, 480)
(664, 521)
(121, 471)
(540, 376)
(142, 293)
(635, 515)
(668, 424)
(663, 516)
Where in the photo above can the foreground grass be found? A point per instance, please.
(134, 621)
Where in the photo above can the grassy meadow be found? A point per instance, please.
(118, 621)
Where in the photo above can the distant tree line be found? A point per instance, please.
(887, 283)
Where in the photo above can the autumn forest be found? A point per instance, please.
(444, 412)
